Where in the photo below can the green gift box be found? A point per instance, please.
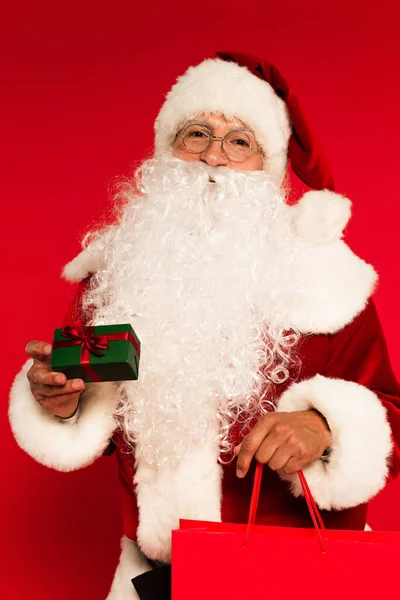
(99, 353)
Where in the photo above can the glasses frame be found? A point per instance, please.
(211, 138)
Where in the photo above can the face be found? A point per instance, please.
(214, 155)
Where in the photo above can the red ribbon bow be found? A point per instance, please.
(81, 334)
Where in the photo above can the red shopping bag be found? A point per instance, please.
(218, 561)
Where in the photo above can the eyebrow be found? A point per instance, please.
(208, 126)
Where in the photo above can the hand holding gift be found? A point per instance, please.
(51, 389)
(79, 354)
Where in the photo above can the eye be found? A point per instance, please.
(196, 138)
(238, 140)
(241, 142)
(197, 134)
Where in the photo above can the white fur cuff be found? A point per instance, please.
(64, 445)
(361, 441)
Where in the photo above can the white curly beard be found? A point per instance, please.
(201, 270)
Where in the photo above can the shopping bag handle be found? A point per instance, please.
(311, 504)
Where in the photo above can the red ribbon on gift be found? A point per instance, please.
(80, 334)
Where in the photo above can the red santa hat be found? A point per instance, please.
(238, 85)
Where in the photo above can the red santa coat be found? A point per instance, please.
(358, 353)
(345, 374)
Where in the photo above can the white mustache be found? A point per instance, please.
(181, 175)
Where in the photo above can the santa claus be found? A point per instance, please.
(260, 339)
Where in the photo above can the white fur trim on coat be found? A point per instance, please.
(64, 445)
(218, 86)
(191, 490)
(131, 564)
(331, 286)
(361, 441)
(321, 216)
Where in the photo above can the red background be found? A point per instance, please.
(81, 86)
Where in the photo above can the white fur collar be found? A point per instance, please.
(334, 284)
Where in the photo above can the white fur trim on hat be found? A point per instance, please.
(90, 260)
(361, 441)
(64, 445)
(320, 216)
(217, 86)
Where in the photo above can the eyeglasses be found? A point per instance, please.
(236, 144)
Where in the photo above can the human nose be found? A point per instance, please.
(214, 155)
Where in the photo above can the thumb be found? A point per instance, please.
(40, 352)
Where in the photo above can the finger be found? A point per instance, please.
(267, 450)
(40, 351)
(45, 376)
(236, 450)
(252, 442)
(280, 458)
(63, 403)
(296, 463)
(71, 387)
(277, 437)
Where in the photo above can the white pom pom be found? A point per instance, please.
(88, 261)
(321, 216)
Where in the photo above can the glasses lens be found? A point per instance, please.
(196, 138)
(237, 145)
